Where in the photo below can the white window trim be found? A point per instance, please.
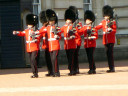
(39, 10)
(90, 4)
(105, 2)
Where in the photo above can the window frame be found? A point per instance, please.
(39, 10)
(90, 4)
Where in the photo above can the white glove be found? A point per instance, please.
(15, 32)
(56, 36)
(72, 37)
(109, 29)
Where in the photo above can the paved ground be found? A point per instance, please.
(17, 82)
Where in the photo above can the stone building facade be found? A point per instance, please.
(15, 49)
(120, 11)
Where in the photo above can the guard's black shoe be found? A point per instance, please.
(34, 76)
(77, 72)
(91, 72)
(56, 75)
(49, 74)
(110, 71)
(71, 73)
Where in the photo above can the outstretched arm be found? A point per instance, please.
(19, 33)
(99, 26)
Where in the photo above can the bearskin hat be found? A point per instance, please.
(31, 19)
(89, 15)
(51, 15)
(107, 11)
(43, 17)
(69, 14)
(75, 10)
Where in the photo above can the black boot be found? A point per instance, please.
(34, 76)
(49, 74)
(91, 72)
(77, 71)
(110, 70)
(72, 73)
(56, 74)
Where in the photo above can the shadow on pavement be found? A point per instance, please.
(122, 63)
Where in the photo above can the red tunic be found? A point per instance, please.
(87, 42)
(31, 45)
(45, 38)
(78, 39)
(107, 37)
(53, 43)
(68, 43)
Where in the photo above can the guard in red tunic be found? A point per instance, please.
(53, 40)
(78, 39)
(90, 36)
(44, 21)
(109, 30)
(32, 44)
(69, 40)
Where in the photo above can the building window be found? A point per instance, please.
(87, 5)
(37, 8)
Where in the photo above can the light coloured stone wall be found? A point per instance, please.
(97, 8)
(122, 11)
(118, 2)
(61, 5)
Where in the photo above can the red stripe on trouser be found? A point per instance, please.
(56, 65)
(33, 61)
(72, 66)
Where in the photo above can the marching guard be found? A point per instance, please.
(72, 31)
(69, 40)
(90, 36)
(52, 32)
(109, 30)
(78, 39)
(32, 44)
(44, 21)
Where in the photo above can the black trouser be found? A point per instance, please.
(71, 58)
(38, 58)
(77, 59)
(90, 56)
(54, 60)
(109, 51)
(33, 61)
(48, 61)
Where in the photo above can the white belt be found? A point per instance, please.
(30, 41)
(106, 32)
(67, 38)
(91, 37)
(51, 39)
(85, 37)
(44, 38)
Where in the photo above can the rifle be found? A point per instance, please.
(34, 35)
(71, 32)
(55, 30)
(110, 23)
(89, 31)
(116, 18)
(77, 18)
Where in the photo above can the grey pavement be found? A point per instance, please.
(17, 82)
